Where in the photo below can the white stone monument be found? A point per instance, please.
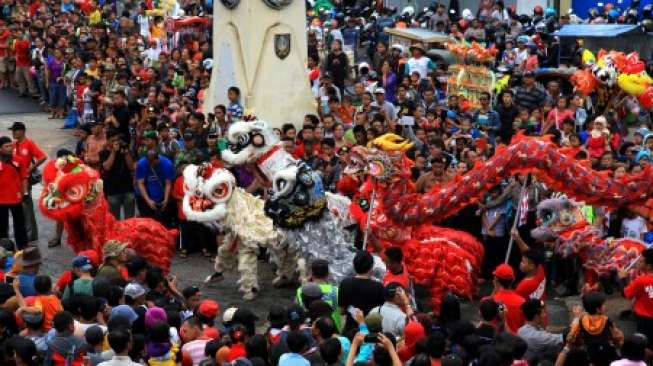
(260, 47)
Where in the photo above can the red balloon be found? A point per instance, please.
(646, 98)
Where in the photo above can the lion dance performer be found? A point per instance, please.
(312, 220)
(72, 194)
(212, 197)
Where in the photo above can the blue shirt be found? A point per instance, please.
(235, 111)
(155, 177)
(27, 284)
(293, 359)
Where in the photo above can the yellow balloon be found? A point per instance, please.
(588, 57)
(634, 84)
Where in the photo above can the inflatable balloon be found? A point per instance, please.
(588, 57)
(633, 64)
(583, 81)
(634, 84)
(646, 98)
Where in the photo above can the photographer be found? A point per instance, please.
(385, 349)
(117, 165)
(118, 115)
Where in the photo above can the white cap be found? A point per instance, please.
(379, 91)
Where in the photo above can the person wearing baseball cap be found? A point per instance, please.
(115, 257)
(31, 156)
(82, 267)
(207, 312)
(504, 277)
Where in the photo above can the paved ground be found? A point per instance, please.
(193, 270)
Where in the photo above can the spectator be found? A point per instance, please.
(529, 96)
(643, 299)
(117, 167)
(510, 302)
(395, 310)
(360, 291)
(121, 343)
(114, 259)
(65, 348)
(14, 179)
(31, 156)
(154, 177)
(539, 340)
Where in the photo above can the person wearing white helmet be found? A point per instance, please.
(440, 16)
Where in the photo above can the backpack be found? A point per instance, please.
(60, 360)
(599, 347)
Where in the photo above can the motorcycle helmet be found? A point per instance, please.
(408, 11)
(593, 13)
(463, 24)
(647, 11)
(538, 10)
(613, 14)
(467, 14)
(647, 24)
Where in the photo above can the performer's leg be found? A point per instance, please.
(225, 259)
(248, 271)
(286, 262)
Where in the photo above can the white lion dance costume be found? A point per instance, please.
(312, 220)
(212, 197)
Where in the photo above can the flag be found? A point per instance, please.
(523, 208)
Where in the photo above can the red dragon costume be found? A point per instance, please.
(72, 194)
(440, 259)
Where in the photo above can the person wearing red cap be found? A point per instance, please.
(504, 277)
(207, 312)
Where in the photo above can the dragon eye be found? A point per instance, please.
(75, 193)
(221, 191)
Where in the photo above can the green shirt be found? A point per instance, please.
(81, 286)
(330, 296)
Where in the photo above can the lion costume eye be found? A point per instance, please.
(221, 191)
(243, 139)
(75, 193)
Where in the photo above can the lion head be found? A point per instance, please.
(207, 191)
(555, 216)
(68, 185)
(248, 141)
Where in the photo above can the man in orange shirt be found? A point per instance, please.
(641, 289)
(511, 301)
(396, 270)
(31, 156)
(13, 180)
(44, 302)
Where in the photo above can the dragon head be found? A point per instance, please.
(207, 190)
(383, 161)
(555, 216)
(68, 185)
(248, 141)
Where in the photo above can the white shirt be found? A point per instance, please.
(144, 24)
(633, 228)
(421, 65)
(120, 361)
(394, 320)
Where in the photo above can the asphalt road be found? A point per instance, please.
(193, 270)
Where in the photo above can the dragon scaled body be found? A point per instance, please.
(73, 194)
(525, 155)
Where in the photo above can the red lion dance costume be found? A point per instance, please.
(72, 194)
(440, 259)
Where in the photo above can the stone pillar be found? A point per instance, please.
(260, 47)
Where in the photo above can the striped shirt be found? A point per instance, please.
(195, 350)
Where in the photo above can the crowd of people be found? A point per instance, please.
(133, 90)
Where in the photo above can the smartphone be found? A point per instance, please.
(9, 280)
(372, 338)
(351, 310)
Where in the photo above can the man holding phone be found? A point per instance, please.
(395, 310)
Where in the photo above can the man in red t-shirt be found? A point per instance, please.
(533, 286)
(13, 180)
(641, 289)
(4, 56)
(504, 277)
(31, 157)
(22, 52)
